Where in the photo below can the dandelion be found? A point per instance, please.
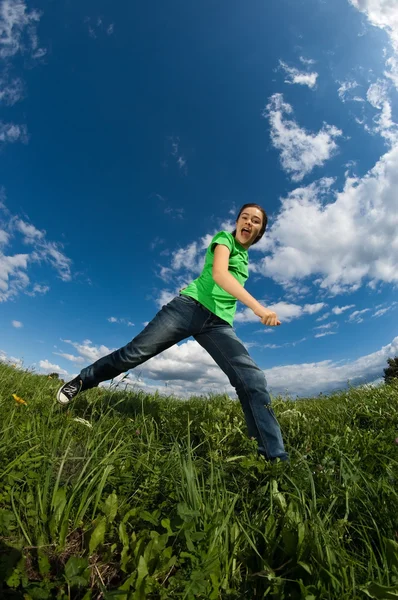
(83, 422)
(19, 400)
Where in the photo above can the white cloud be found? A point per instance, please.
(319, 335)
(88, 351)
(188, 368)
(17, 28)
(382, 311)
(10, 133)
(38, 289)
(309, 379)
(175, 151)
(345, 90)
(301, 151)
(48, 367)
(323, 317)
(338, 239)
(307, 61)
(121, 320)
(285, 311)
(299, 77)
(338, 310)
(12, 360)
(97, 26)
(356, 316)
(75, 359)
(14, 277)
(383, 14)
(385, 125)
(11, 91)
(29, 231)
(327, 325)
(50, 252)
(377, 93)
(17, 324)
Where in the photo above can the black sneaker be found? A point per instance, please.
(68, 391)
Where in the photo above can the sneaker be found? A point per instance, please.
(69, 390)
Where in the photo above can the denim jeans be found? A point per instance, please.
(184, 317)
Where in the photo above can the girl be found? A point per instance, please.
(205, 309)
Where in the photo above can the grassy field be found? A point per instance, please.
(129, 496)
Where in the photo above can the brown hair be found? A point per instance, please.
(264, 225)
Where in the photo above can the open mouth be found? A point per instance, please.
(246, 232)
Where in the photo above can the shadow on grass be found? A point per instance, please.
(9, 558)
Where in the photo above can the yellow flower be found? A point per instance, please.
(18, 399)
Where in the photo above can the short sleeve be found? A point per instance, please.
(224, 238)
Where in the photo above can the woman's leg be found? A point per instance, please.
(222, 343)
(176, 321)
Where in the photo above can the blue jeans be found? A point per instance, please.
(184, 317)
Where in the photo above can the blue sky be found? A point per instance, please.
(130, 134)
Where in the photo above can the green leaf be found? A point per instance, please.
(305, 566)
(78, 580)
(375, 590)
(58, 504)
(150, 517)
(110, 509)
(142, 571)
(75, 567)
(392, 553)
(124, 538)
(38, 593)
(98, 535)
(44, 563)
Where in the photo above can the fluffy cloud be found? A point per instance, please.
(88, 351)
(338, 310)
(17, 324)
(11, 133)
(345, 91)
(299, 77)
(338, 239)
(383, 14)
(17, 362)
(319, 335)
(356, 316)
(285, 311)
(377, 93)
(75, 359)
(18, 29)
(11, 91)
(14, 278)
(188, 370)
(301, 151)
(121, 320)
(48, 367)
(309, 379)
(96, 26)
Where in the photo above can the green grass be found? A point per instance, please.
(147, 497)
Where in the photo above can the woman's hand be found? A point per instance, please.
(267, 317)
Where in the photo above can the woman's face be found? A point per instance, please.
(251, 219)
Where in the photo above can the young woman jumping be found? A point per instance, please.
(205, 309)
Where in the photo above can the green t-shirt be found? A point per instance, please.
(205, 289)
